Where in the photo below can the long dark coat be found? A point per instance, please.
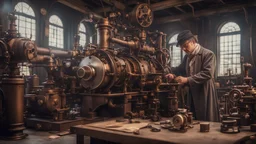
(201, 84)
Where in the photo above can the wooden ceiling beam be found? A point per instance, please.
(171, 3)
(105, 9)
(116, 3)
(207, 12)
(155, 6)
(79, 6)
(180, 9)
(132, 2)
(75, 4)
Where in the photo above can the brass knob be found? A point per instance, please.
(40, 102)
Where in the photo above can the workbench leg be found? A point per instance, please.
(79, 139)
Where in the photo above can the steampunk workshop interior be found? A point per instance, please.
(127, 71)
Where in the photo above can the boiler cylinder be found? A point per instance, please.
(12, 125)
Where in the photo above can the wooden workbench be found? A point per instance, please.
(99, 134)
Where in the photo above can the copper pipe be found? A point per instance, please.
(147, 48)
(160, 41)
(104, 29)
(43, 51)
(56, 53)
(61, 53)
(130, 44)
(134, 45)
(164, 41)
(12, 27)
(40, 58)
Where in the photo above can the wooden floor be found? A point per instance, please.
(39, 137)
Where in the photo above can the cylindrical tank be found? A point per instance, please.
(32, 83)
(104, 33)
(12, 125)
(22, 49)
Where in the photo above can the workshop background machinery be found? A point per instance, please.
(124, 75)
(13, 50)
(241, 105)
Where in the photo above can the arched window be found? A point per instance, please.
(26, 20)
(229, 49)
(26, 27)
(176, 52)
(56, 34)
(82, 33)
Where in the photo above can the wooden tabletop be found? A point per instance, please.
(193, 135)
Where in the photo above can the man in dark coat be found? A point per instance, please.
(198, 66)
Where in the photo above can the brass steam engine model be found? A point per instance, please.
(121, 75)
(242, 105)
(115, 78)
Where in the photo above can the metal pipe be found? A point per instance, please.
(129, 44)
(164, 41)
(104, 29)
(56, 53)
(43, 51)
(160, 41)
(148, 49)
(134, 45)
(40, 58)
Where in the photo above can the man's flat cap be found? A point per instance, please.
(183, 37)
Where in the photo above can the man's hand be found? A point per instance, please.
(170, 76)
(181, 80)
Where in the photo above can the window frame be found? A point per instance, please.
(170, 47)
(26, 16)
(84, 33)
(56, 26)
(218, 45)
(23, 67)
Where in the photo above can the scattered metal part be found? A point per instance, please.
(136, 132)
(204, 127)
(145, 117)
(166, 126)
(165, 122)
(133, 121)
(155, 129)
(179, 121)
(173, 129)
(196, 123)
(229, 126)
(190, 117)
(131, 115)
(149, 126)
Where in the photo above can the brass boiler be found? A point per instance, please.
(106, 68)
(13, 50)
